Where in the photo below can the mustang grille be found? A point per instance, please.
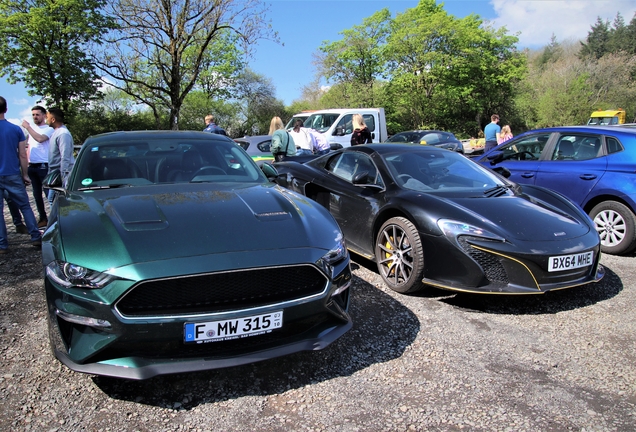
(218, 292)
(491, 264)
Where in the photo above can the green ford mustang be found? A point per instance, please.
(172, 252)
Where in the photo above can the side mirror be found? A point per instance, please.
(53, 180)
(340, 131)
(269, 171)
(360, 178)
(503, 171)
(495, 157)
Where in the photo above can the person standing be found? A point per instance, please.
(505, 134)
(14, 177)
(361, 134)
(302, 139)
(319, 142)
(491, 133)
(211, 127)
(282, 143)
(38, 154)
(60, 147)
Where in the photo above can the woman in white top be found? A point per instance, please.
(302, 139)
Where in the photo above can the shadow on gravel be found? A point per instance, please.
(383, 328)
(548, 303)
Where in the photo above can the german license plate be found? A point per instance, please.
(215, 331)
(569, 262)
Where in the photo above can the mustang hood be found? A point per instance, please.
(134, 226)
(523, 218)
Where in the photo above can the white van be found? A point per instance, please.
(336, 124)
(300, 116)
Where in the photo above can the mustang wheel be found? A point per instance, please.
(399, 255)
(616, 225)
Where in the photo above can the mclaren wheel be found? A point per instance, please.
(399, 255)
(616, 225)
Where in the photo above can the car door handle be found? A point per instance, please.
(587, 176)
(527, 175)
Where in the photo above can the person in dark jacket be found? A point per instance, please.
(361, 134)
(211, 127)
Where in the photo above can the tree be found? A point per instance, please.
(161, 48)
(550, 54)
(597, 41)
(43, 44)
(257, 96)
(630, 36)
(447, 72)
(198, 104)
(567, 90)
(357, 60)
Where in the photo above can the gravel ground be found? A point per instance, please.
(436, 361)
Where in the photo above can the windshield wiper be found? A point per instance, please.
(497, 190)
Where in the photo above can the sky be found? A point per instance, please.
(303, 25)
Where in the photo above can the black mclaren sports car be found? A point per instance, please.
(429, 216)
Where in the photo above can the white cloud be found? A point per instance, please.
(538, 20)
(107, 84)
(20, 101)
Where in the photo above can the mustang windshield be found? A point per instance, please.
(138, 163)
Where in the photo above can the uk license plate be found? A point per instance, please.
(214, 331)
(569, 262)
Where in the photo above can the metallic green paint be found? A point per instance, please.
(154, 229)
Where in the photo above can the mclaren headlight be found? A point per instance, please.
(453, 229)
(72, 275)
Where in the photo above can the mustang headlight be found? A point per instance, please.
(69, 275)
(337, 253)
(453, 229)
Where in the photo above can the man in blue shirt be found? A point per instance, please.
(491, 133)
(211, 126)
(14, 177)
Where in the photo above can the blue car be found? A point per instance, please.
(594, 166)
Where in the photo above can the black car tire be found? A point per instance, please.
(616, 224)
(399, 255)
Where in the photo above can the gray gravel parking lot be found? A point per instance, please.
(434, 361)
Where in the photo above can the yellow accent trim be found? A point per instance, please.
(450, 288)
(512, 259)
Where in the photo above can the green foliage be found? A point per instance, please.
(43, 43)
(198, 104)
(550, 54)
(357, 60)
(605, 38)
(257, 96)
(99, 119)
(426, 68)
(597, 40)
(448, 72)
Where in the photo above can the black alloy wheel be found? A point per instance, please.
(399, 255)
